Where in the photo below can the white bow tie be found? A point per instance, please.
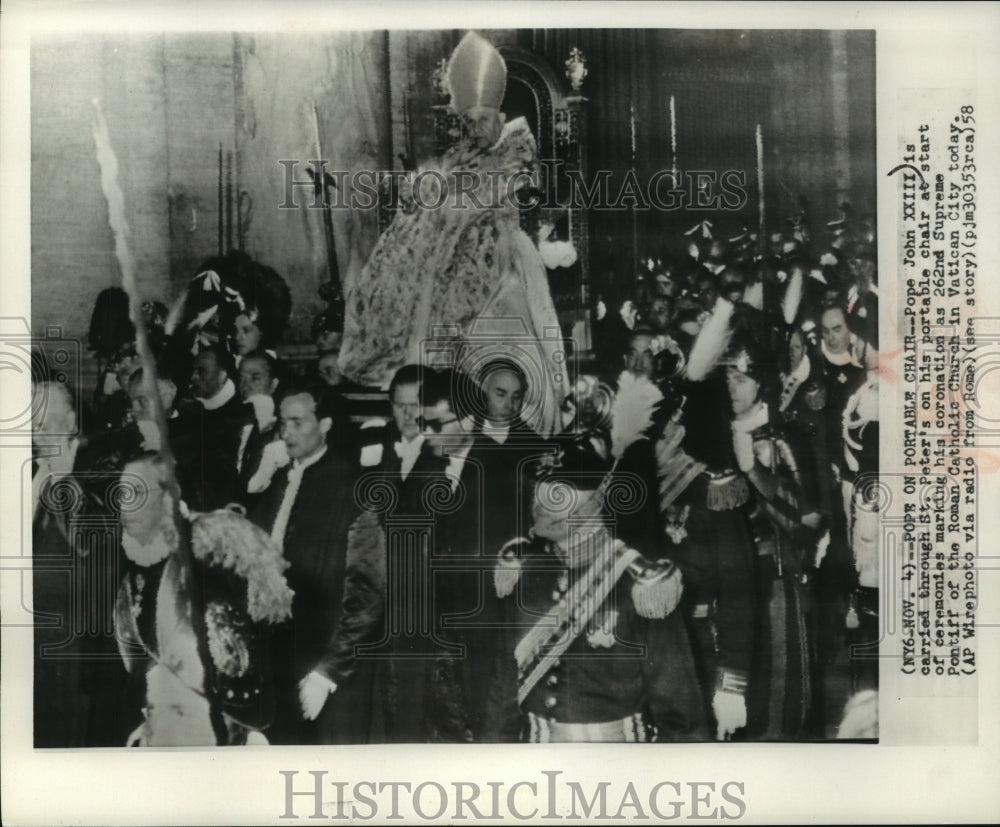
(408, 453)
(409, 449)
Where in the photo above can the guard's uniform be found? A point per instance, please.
(215, 690)
(624, 677)
(785, 682)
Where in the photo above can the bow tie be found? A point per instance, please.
(409, 450)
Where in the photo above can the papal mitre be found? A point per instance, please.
(477, 75)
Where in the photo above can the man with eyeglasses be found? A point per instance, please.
(420, 691)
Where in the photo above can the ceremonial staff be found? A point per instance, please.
(322, 181)
(760, 187)
(635, 229)
(119, 227)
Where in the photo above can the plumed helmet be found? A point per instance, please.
(232, 285)
(477, 75)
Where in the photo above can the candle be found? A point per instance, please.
(229, 201)
(108, 163)
(673, 140)
(631, 121)
(319, 147)
(760, 179)
(222, 220)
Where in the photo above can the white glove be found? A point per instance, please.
(314, 689)
(136, 738)
(557, 254)
(730, 713)
(628, 313)
(743, 448)
(275, 456)
(150, 434)
(821, 548)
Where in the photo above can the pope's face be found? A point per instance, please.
(483, 125)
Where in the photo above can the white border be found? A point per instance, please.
(933, 44)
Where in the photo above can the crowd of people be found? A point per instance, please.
(674, 542)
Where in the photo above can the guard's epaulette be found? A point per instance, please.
(657, 588)
(726, 490)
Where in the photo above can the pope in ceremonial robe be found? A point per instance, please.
(454, 279)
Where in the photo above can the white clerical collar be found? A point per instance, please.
(301, 464)
(498, 433)
(838, 359)
(225, 393)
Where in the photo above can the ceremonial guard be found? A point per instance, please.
(591, 648)
(789, 533)
(194, 633)
(859, 488)
(710, 536)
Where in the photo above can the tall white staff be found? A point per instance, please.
(673, 142)
(635, 230)
(760, 182)
(118, 219)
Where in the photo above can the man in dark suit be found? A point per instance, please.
(219, 422)
(418, 676)
(79, 682)
(336, 554)
(495, 507)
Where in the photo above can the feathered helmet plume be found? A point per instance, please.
(229, 286)
(711, 341)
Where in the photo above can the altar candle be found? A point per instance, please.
(760, 177)
(673, 139)
(631, 121)
(222, 219)
(319, 148)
